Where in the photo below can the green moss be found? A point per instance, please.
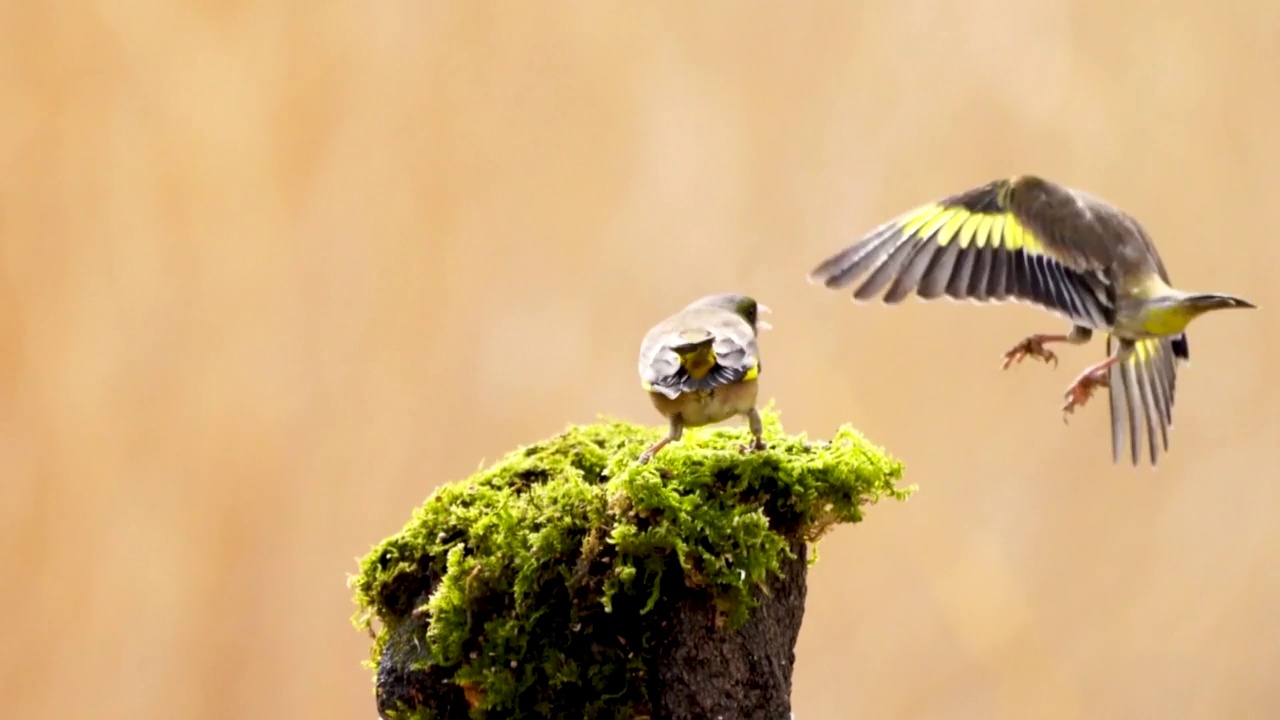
(535, 574)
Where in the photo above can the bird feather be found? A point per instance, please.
(984, 244)
(733, 349)
(1141, 389)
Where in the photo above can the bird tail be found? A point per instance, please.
(702, 368)
(1142, 393)
(698, 356)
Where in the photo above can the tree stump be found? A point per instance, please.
(568, 581)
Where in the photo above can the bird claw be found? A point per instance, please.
(1079, 393)
(753, 446)
(1029, 347)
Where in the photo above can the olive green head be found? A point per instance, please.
(745, 307)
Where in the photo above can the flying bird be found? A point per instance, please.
(1032, 240)
(700, 366)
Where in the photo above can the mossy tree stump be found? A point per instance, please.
(568, 581)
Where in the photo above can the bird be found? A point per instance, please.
(1029, 239)
(701, 365)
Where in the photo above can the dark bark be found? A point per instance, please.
(702, 672)
(402, 686)
(698, 669)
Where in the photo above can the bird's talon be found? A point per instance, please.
(1029, 347)
(1079, 393)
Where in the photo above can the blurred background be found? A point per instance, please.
(272, 272)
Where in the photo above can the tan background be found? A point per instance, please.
(272, 271)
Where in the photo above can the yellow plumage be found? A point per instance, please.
(944, 225)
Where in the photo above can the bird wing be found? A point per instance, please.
(977, 245)
(1118, 223)
(697, 351)
(1142, 388)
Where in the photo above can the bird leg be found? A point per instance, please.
(1091, 379)
(757, 432)
(1034, 346)
(673, 433)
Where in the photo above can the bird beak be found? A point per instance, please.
(762, 309)
(1217, 301)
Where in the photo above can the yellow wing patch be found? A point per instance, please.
(1142, 350)
(948, 231)
(966, 231)
(936, 222)
(912, 221)
(945, 225)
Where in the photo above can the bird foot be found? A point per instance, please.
(648, 454)
(753, 446)
(1029, 347)
(1081, 390)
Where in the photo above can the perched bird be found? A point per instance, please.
(700, 366)
(1029, 239)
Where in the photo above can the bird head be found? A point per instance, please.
(1171, 313)
(745, 307)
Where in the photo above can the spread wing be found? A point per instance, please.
(1142, 396)
(977, 246)
(693, 358)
